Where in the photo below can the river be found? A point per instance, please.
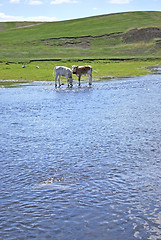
(81, 163)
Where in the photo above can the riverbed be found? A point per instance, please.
(81, 163)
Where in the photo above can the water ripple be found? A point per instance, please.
(81, 163)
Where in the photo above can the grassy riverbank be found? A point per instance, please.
(13, 72)
(128, 43)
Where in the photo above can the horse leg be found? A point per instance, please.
(70, 82)
(90, 79)
(79, 80)
(67, 80)
(56, 80)
(59, 81)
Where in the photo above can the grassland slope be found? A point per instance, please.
(93, 37)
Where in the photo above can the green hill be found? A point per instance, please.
(122, 35)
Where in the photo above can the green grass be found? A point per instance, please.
(105, 70)
(94, 26)
(98, 50)
(25, 43)
(21, 42)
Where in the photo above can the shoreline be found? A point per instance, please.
(9, 83)
(11, 73)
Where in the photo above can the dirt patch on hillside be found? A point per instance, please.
(68, 42)
(81, 42)
(5, 27)
(85, 42)
(131, 36)
(28, 25)
(142, 34)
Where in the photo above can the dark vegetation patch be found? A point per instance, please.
(158, 42)
(142, 34)
(131, 36)
(81, 42)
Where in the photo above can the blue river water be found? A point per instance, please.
(81, 163)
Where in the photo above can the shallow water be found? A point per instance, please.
(81, 163)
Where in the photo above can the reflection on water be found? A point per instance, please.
(81, 163)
